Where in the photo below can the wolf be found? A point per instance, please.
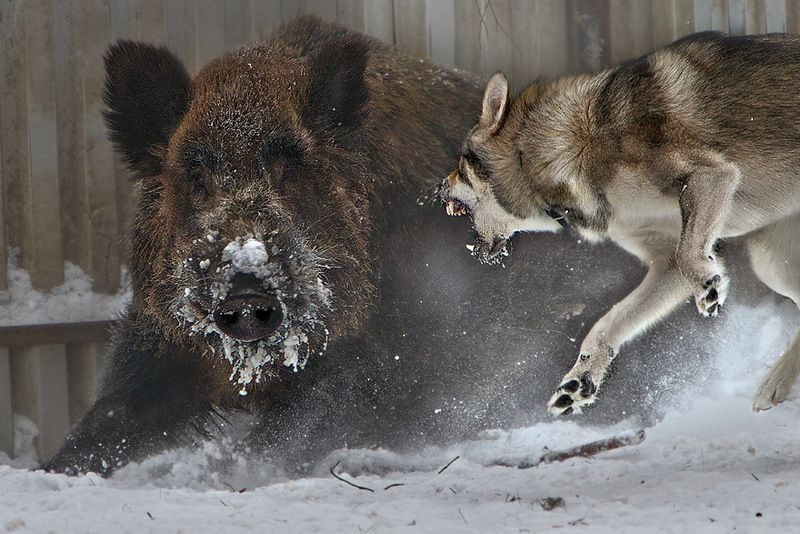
(665, 155)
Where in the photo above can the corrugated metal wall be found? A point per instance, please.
(65, 196)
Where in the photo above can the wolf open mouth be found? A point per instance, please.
(455, 208)
(489, 252)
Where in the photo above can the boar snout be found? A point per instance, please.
(248, 313)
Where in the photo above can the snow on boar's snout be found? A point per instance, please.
(258, 299)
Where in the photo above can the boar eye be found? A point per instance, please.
(201, 180)
(280, 157)
(287, 171)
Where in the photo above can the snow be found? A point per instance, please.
(247, 255)
(72, 301)
(710, 465)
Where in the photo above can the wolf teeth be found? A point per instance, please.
(454, 209)
(471, 248)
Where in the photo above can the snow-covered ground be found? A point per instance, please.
(710, 465)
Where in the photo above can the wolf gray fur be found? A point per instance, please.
(665, 155)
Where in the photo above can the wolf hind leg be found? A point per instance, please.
(777, 383)
(775, 257)
(662, 289)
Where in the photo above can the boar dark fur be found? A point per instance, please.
(313, 135)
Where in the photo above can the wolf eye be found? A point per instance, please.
(558, 214)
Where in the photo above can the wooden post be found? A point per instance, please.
(630, 30)
(289, 9)
(75, 213)
(39, 378)
(6, 410)
(468, 36)
(123, 24)
(378, 20)
(14, 126)
(104, 234)
(525, 51)
(775, 15)
(411, 27)
(719, 16)
(28, 138)
(684, 18)
(755, 20)
(736, 17)
(181, 22)
(123, 18)
(442, 32)
(266, 18)
(152, 22)
(46, 264)
(237, 23)
(351, 13)
(210, 36)
(3, 259)
(497, 39)
(325, 9)
(662, 22)
(552, 30)
(792, 8)
(590, 35)
(4, 12)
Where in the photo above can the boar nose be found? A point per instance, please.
(248, 312)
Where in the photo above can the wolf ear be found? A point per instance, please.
(147, 91)
(495, 103)
(338, 93)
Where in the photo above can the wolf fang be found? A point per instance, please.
(664, 155)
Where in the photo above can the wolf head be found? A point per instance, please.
(520, 170)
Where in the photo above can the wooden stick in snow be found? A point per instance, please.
(631, 437)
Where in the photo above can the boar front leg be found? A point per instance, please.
(148, 401)
(662, 289)
(706, 198)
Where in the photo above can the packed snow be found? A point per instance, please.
(72, 301)
(710, 465)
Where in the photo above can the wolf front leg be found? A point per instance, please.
(706, 198)
(662, 289)
(148, 401)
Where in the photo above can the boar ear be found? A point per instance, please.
(147, 92)
(338, 94)
(495, 103)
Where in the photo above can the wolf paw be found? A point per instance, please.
(777, 385)
(573, 394)
(712, 296)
